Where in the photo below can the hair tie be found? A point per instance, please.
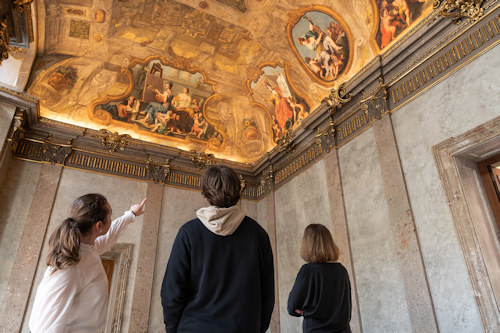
(71, 222)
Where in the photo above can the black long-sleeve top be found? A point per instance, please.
(219, 283)
(323, 292)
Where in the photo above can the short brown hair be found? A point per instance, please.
(221, 186)
(318, 245)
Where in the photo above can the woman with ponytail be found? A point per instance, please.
(73, 294)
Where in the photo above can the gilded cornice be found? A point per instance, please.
(344, 114)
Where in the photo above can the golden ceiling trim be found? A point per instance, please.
(449, 59)
(293, 19)
(443, 43)
(113, 141)
(202, 160)
(459, 9)
(337, 98)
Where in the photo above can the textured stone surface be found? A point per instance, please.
(341, 230)
(6, 114)
(143, 285)
(379, 283)
(178, 207)
(16, 192)
(121, 194)
(250, 208)
(445, 111)
(298, 203)
(28, 253)
(417, 291)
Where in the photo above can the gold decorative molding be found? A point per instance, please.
(113, 141)
(337, 98)
(55, 153)
(459, 9)
(19, 5)
(18, 128)
(158, 173)
(4, 41)
(267, 181)
(202, 160)
(243, 183)
(326, 138)
(285, 144)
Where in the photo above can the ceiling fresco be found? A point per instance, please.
(227, 77)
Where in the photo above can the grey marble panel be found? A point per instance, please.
(178, 207)
(121, 194)
(461, 102)
(300, 202)
(16, 192)
(381, 293)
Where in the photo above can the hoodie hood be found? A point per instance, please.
(221, 221)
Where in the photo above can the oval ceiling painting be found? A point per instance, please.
(321, 40)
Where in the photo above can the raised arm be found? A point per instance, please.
(118, 226)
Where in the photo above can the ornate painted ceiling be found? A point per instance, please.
(226, 77)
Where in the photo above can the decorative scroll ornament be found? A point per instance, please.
(201, 160)
(4, 41)
(285, 143)
(55, 153)
(376, 103)
(337, 98)
(458, 9)
(18, 128)
(326, 138)
(243, 184)
(114, 141)
(267, 181)
(158, 173)
(20, 4)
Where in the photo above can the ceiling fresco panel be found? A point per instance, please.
(254, 70)
(395, 16)
(322, 41)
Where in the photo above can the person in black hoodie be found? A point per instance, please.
(220, 275)
(322, 291)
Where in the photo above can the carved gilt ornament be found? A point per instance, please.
(459, 9)
(113, 141)
(202, 160)
(337, 98)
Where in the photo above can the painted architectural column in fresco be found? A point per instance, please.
(18, 289)
(418, 295)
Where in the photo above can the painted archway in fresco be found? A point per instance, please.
(395, 16)
(321, 40)
(163, 101)
(273, 91)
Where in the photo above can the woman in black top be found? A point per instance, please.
(322, 292)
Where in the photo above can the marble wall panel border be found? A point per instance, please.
(469, 235)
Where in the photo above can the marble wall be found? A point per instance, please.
(121, 193)
(297, 206)
(381, 292)
(447, 110)
(16, 192)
